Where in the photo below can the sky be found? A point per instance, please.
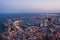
(29, 6)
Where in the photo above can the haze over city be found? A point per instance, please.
(29, 19)
(29, 6)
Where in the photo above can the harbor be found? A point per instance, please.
(38, 27)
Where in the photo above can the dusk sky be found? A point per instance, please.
(29, 6)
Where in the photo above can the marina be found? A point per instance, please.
(38, 27)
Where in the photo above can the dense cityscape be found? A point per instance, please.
(42, 27)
